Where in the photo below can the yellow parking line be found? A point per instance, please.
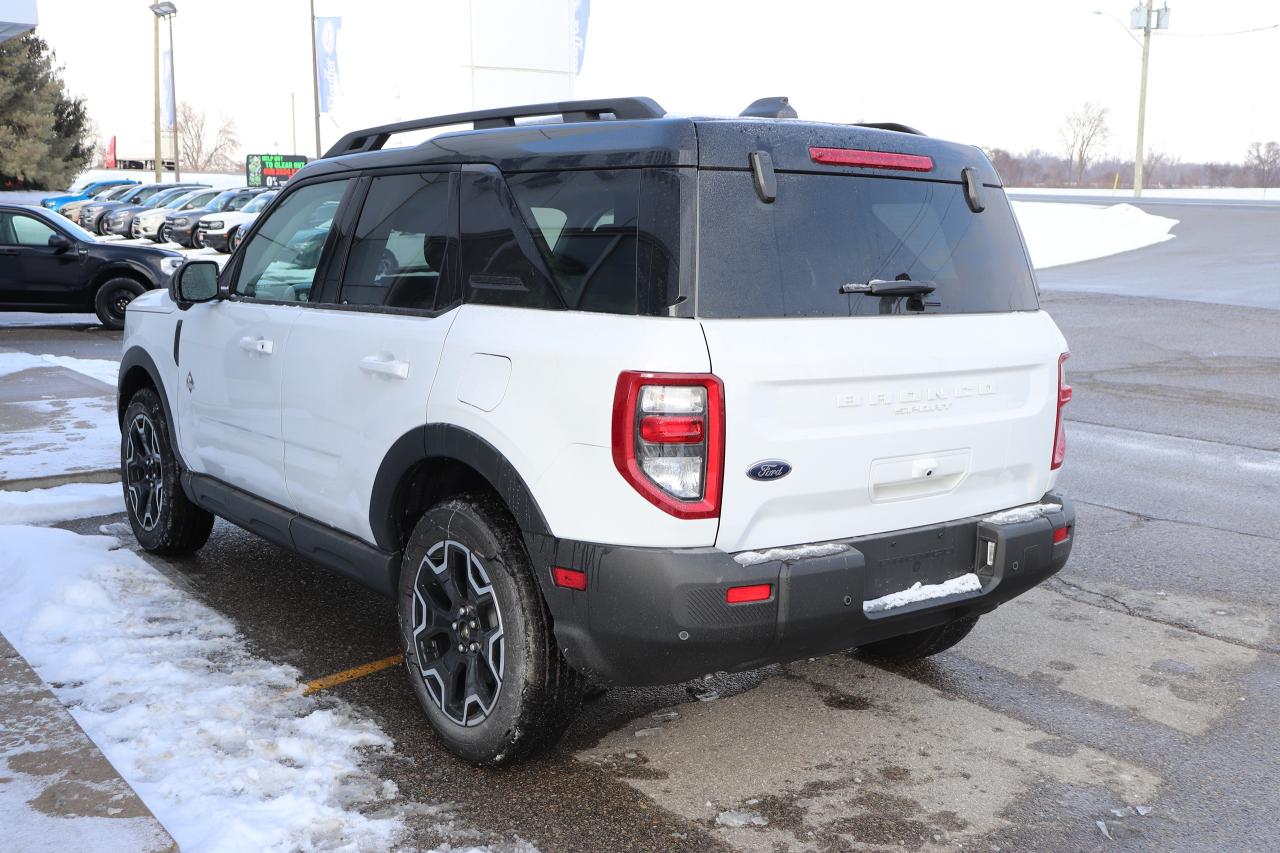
(351, 674)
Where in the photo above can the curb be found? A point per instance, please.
(103, 475)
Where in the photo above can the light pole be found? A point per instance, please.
(1140, 18)
(168, 11)
(315, 76)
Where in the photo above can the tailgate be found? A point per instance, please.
(887, 423)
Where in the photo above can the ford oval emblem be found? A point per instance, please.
(769, 469)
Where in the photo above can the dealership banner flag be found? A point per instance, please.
(166, 93)
(327, 61)
(581, 16)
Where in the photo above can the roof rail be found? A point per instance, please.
(374, 138)
(891, 125)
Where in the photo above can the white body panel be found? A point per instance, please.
(354, 383)
(229, 219)
(553, 421)
(887, 422)
(229, 419)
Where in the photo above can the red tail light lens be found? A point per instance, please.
(1061, 534)
(1059, 430)
(872, 159)
(668, 439)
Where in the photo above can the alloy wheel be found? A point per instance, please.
(457, 633)
(144, 472)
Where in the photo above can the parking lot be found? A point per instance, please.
(1130, 703)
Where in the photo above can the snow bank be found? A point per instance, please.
(923, 592)
(799, 552)
(60, 437)
(102, 369)
(61, 503)
(1065, 233)
(1022, 513)
(221, 745)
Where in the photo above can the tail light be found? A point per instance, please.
(1059, 431)
(668, 439)
(871, 159)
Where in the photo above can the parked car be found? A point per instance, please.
(629, 398)
(48, 264)
(92, 215)
(150, 223)
(221, 231)
(181, 226)
(71, 210)
(119, 220)
(88, 191)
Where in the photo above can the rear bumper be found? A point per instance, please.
(659, 616)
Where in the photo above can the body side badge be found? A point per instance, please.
(769, 469)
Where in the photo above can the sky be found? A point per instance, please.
(996, 73)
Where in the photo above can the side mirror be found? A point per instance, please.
(59, 242)
(194, 281)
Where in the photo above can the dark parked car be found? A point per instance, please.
(181, 226)
(91, 215)
(51, 265)
(120, 220)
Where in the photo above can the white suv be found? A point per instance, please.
(617, 396)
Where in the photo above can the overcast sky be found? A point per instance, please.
(998, 73)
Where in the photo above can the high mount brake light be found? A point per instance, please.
(871, 159)
(668, 440)
(1059, 430)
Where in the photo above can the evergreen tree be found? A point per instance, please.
(44, 133)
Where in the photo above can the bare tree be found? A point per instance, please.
(200, 153)
(1158, 168)
(1083, 131)
(1263, 163)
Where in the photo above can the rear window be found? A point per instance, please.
(792, 257)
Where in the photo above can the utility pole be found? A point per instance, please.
(158, 163)
(173, 96)
(315, 76)
(1142, 100)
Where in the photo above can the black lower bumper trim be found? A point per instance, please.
(659, 616)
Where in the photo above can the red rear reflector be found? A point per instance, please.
(1061, 534)
(1059, 429)
(743, 594)
(659, 429)
(873, 159)
(569, 578)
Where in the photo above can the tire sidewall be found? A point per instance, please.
(104, 300)
(504, 560)
(145, 401)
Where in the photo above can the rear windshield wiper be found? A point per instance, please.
(880, 287)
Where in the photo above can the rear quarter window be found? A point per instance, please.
(791, 258)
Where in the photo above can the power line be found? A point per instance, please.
(1215, 35)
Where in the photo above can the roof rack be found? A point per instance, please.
(891, 125)
(374, 138)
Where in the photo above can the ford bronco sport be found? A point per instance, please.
(597, 393)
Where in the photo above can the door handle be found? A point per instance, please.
(258, 345)
(385, 366)
(8, 251)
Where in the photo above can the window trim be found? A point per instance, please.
(46, 223)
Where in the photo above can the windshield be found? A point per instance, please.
(163, 199)
(113, 193)
(826, 237)
(221, 200)
(179, 201)
(259, 202)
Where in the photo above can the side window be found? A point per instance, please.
(29, 231)
(400, 244)
(281, 258)
(585, 225)
(501, 263)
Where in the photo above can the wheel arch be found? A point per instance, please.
(122, 269)
(138, 370)
(434, 461)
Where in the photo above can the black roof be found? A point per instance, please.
(635, 132)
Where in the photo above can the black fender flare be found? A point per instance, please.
(446, 441)
(138, 358)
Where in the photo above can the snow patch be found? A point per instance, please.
(1066, 232)
(221, 745)
(61, 503)
(923, 592)
(737, 819)
(101, 369)
(1022, 513)
(60, 437)
(800, 552)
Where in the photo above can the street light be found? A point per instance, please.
(167, 11)
(1140, 18)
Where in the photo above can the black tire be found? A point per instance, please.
(162, 235)
(231, 240)
(921, 644)
(509, 693)
(197, 242)
(164, 521)
(113, 297)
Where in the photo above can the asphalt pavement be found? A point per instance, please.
(1129, 704)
